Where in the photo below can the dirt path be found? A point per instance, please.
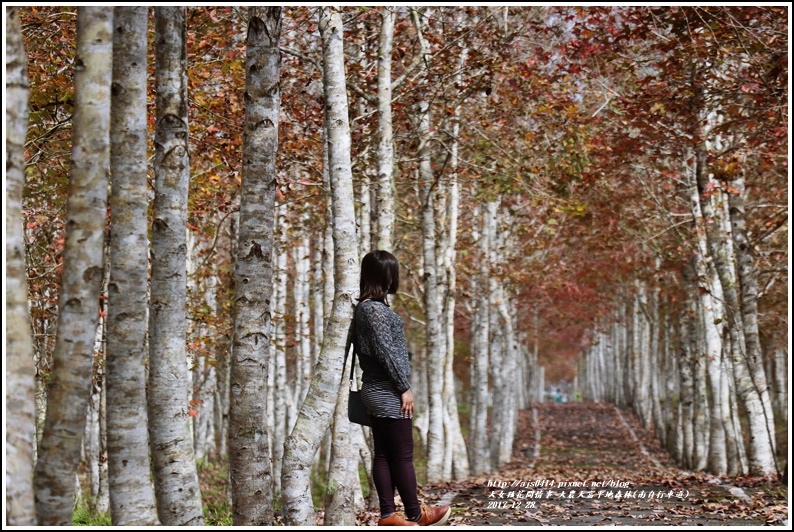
(595, 465)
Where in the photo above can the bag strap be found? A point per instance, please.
(351, 331)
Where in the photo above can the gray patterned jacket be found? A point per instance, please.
(379, 341)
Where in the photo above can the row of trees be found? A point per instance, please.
(213, 405)
(692, 355)
(530, 167)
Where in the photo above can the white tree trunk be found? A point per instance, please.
(687, 341)
(671, 388)
(479, 452)
(318, 306)
(203, 375)
(709, 289)
(643, 398)
(720, 366)
(454, 439)
(362, 178)
(749, 306)
(419, 387)
(103, 497)
(499, 341)
(316, 411)
(718, 233)
(700, 422)
(20, 370)
(250, 457)
(737, 464)
(95, 450)
(619, 341)
(366, 448)
(223, 349)
(94, 440)
(385, 188)
(302, 306)
(176, 478)
(343, 495)
(328, 241)
(781, 384)
(131, 490)
(434, 358)
(221, 397)
(59, 449)
(655, 366)
(630, 353)
(283, 414)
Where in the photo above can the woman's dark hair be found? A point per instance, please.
(380, 275)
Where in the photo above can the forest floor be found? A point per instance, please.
(618, 475)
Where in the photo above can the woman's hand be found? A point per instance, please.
(407, 408)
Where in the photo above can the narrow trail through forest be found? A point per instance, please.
(595, 465)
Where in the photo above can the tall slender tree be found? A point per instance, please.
(712, 338)
(456, 463)
(277, 376)
(316, 411)
(20, 371)
(175, 474)
(479, 461)
(78, 304)
(433, 311)
(249, 457)
(131, 493)
(748, 282)
(385, 188)
(762, 460)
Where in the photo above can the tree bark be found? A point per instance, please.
(102, 504)
(479, 453)
(700, 422)
(131, 492)
(316, 411)
(708, 286)
(328, 241)
(385, 188)
(203, 377)
(301, 298)
(249, 456)
(59, 450)
(781, 384)
(341, 505)
(721, 250)
(655, 367)
(20, 370)
(228, 240)
(643, 399)
(434, 356)
(738, 463)
(283, 412)
(687, 332)
(748, 283)
(454, 437)
(671, 387)
(363, 180)
(505, 419)
(176, 478)
(343, 495)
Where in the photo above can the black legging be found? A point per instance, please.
(393, 465)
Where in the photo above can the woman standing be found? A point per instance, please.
(386, 392)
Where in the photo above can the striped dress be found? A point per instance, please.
(383, 354)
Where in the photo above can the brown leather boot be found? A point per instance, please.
(396, 519)
(434, 515)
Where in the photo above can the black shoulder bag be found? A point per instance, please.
(356, 411)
